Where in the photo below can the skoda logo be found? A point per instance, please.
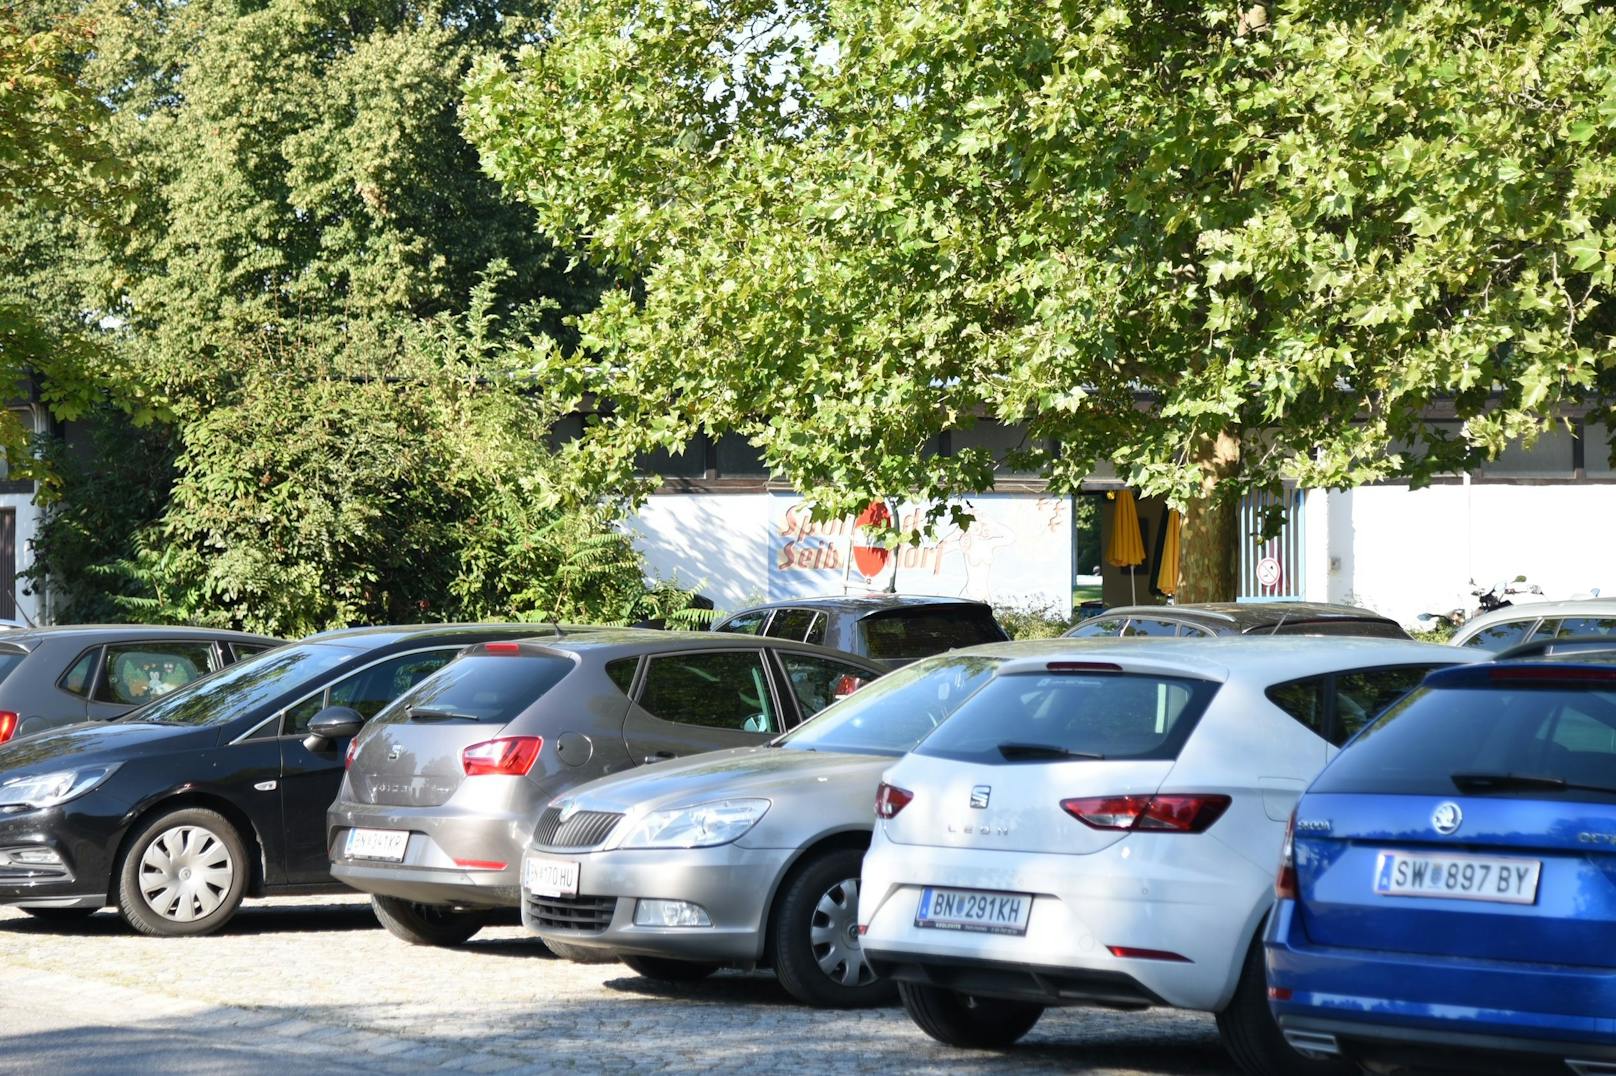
(979, 796)
(1447, 818)
(568, 809)
(392, 756)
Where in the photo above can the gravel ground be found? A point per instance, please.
(315, 982)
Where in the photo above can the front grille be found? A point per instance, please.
(583, 830)
(585, 914)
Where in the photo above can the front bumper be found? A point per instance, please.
(82, 844)
(732, 884)
(1468, 1014)
(451, 856)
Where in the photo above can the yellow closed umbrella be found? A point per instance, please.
(1167, 577)
(1126, 549)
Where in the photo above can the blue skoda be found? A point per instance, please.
(1447, 899)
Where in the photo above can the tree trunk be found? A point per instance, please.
(1209, 539)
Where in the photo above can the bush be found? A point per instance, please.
(1033, 619)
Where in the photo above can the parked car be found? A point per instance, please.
(1099, 824)
(217, 791)
(1504, 628)
(893, 629)
(1238, 618)
(746, 857)
(51, 677)
(444, 788)
(1447, 898)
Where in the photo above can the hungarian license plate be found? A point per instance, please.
(550, 877)
(974, 909)
(1461, 877)
(377, 844)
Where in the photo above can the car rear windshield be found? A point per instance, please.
(1515, 741)
(926, 630)
(1043, 717)
(490, 689)
(221, 697)
(890, 715)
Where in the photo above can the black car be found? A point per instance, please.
(1239, 618)
(51, 677)
(209, 794)
(893, 629)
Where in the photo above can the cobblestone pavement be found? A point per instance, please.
(316, 984)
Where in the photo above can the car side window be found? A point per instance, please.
(817, 682)
(746, 623)
(1146, 625)
(136, 673)
(1500, 636)
(621, 672)
(1581, 625)
(243, 651)
(1360, 696)
(727, 689)
(1304, 700)
(76, 681)
(369, 690)
(816, 630)
(790, 624)
(1106, 625)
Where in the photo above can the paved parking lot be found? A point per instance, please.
(317, 984)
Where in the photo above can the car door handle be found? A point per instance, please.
(660, 756)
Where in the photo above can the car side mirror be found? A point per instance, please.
(332, 724)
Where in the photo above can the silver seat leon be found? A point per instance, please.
(742, 858)
(444, 786)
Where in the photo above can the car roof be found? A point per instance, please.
(1275, 657)
(1534, 610)
(861, 604)
(379, 635)
(91, 634)
(1243, 616)
(609, 643)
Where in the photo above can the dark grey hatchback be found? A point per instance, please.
(893, 629)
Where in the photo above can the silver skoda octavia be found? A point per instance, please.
(748, 857)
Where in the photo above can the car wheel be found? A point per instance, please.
(183, 875)
(962, 1020)
(426, 924)
(817, 955)
(673, 971)
(60, 915)
(1252, 1036)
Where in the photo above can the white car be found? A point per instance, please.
(1102, 823)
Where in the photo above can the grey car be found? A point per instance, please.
(1206, 619)
(1534, 622)
(893, 629)
(57, 676)
(743, 858)
(445, 786)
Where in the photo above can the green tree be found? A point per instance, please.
(1221, 245)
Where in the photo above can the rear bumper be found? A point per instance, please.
(450, 858)
(1431, 1006)
(1021, 982)
(1451, 1051)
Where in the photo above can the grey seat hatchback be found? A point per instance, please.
(444, 787)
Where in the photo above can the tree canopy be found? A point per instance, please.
(1220, 245)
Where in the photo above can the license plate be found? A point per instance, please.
(1505, 881)
(974, 910)
(377, 844)
(550, 877)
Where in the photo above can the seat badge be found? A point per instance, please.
(1447, 818)
(979, 796)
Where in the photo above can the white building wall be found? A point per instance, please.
(715, 543)
(29, 607)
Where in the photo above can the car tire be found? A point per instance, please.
(60, 915)
(969, 1022)
(672, 971)
(426, 924)
(183, 875)
(815, 941)
(1252, 1036)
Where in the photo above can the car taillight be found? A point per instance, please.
(1285, 880)
(511, 756)
(8, 724)
(845, 685)
(890, 799)
(1179, 812)
(348, 756)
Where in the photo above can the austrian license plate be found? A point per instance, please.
(550, 877)
(1500, 879)
(974, 909)
(385, 844)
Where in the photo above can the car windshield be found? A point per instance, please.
(889, 716)
(241, 688)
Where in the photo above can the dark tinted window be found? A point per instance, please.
(721, 689)
(1110, 715)
(927, 630)
(1575, 625)
(817, 682)
(746, 623)
(1361, 696)
(490, 689)
(1304, 700)
(369, 690)
(247, 650)
(136, 673)
(1372, 629)
(791, 624)
(816, 631)
(77, 679)
(621, 672)
(890, 716)
(1145, 625)
(1500, 636)
(1550, 731)
(1097, 626)
(244, 686)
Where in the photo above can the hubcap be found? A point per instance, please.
(185, 873)
(833, 936)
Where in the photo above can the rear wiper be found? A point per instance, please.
(1495, 782)
(421, 713)
(1042, 750)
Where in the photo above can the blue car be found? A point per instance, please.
(1447, 900)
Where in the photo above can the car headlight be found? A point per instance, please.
(49, 789)
(700, 825)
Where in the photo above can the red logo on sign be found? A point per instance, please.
(871, 559)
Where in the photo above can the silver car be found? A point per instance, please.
(743, 858)
(445, 785)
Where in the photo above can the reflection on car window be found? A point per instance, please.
(242, 687)
(1145, 625)
(1100, 625)
(1303, 700)
(746, 623)
(1361, 696)
(1500, 636)
(892, 714)
(490, 689)
(790, 624)
(817, 682)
